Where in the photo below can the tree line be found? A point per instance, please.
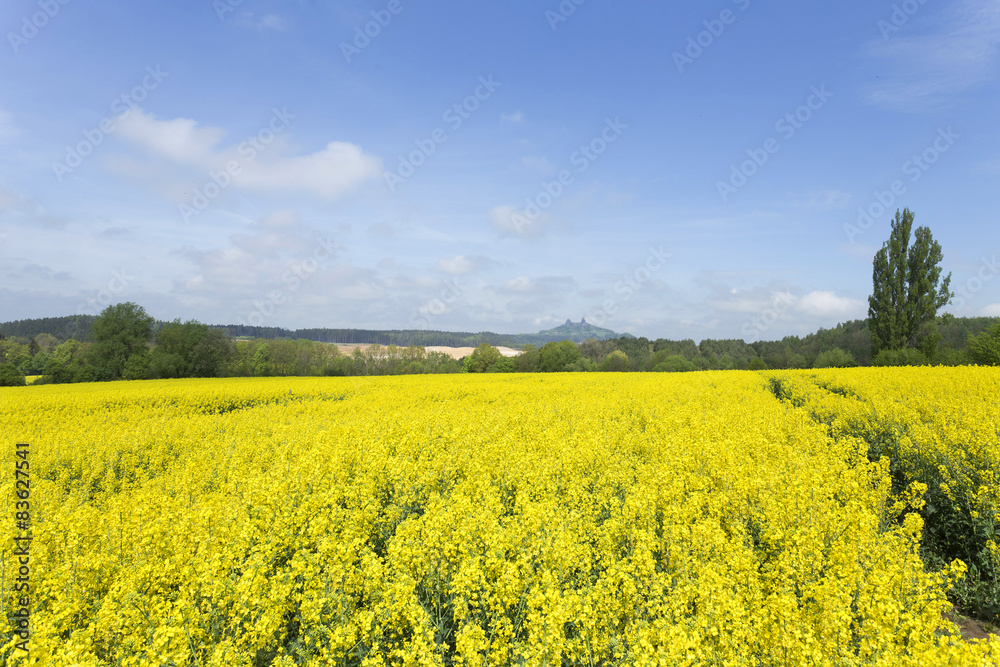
(124, 342)
(79, 328)
(125, 347)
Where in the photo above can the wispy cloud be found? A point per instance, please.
(462, 264)
(922, 72)
(26, 211)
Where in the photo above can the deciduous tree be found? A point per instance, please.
(907, 290)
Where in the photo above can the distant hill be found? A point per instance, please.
(580, 332)
(78, 327)
(850, 336)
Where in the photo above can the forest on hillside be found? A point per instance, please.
(83, 348)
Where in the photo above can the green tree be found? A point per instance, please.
(907, 290)
(10, 376)
(119, 332)
(501, 365)
(556, 357)
(835, 358)
(482, 358)
(528, 360)
(985, 348)
(616, 362)
(903, 357)
(674, 363)
(261, 364)
(203, 351)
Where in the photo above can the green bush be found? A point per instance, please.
(11, 377)
(835, 358)
(948, 356)
(501, 365)
(907, 356)
(675, 364)
(616, 362)
(985, 349)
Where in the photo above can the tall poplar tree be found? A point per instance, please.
(907, 290)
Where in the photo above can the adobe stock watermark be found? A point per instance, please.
(121, 107)
(758, 325)
(30, 25)
(714, 27)
(248, 150)
(298, 273)
(454, 116)
(437, 307)
(900, 16)
(988, 268)
(786, 126)
(117, 285)
(630, 284)
(223, 7)
(562, 13)
(919, 164)
(581, 159)
(365, 33)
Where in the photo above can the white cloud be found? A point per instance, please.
(520, 284)
(828, 304)
(515, 117)
(992, 310)
(926, 71)
(180, 140)
(331, 172)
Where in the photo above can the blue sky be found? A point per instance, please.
(696, 171)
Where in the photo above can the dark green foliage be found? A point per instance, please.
(835, 358)
(35, 365)
(202, 351)
(501, 365)
(137, 366)
(985, 348)
(557, 357)
(63, 328)
(529, 360)
(675, 364)
(904, 357)
(616, 362)
(907, 290)
(10, 376)
(482, 358)
(120, 332)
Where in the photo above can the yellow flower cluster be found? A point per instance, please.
(578, 519)
(939, 429)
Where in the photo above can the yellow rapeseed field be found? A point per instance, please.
(718, 518)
